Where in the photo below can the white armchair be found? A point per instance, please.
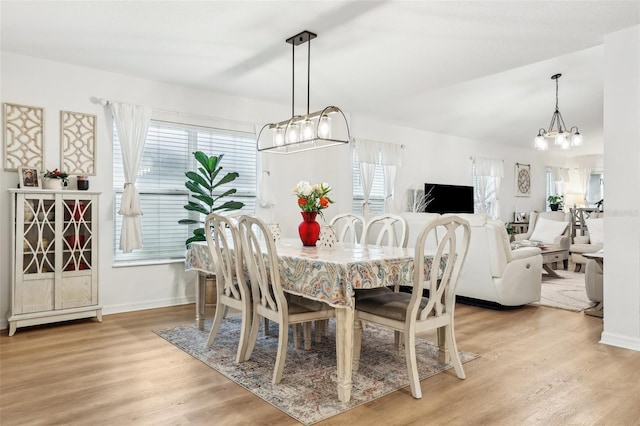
(553, 240)
(495, 273)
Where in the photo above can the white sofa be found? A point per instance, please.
(492, 271)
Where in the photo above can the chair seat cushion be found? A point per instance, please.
(299, 309)
(361, 293)
(389, 305)
(309, 304)
(585, 248)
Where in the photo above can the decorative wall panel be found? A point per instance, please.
(23, 136)
(77, 143)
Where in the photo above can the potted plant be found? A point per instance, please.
(55, 179)
(556, 202)
(202, 185)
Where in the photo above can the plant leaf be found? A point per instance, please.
(195, 207)
(205, 199)
(196, 178)
(203, 159)
(229, 177)
(229, 205)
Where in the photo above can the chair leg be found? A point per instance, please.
(265, 325)
(296, 336)
(217, 319)
(283, 340)
(398, 339)
(244, 331)
(357, 344)
(253, 336)
(565, 263)
(326, 327)
(225, 311)
(306, 331)
(578, 267)
(412, 364)
(443, 348)
(318, 327)
(453, 350)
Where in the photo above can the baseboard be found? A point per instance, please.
(620, 341)
(149, 304)
(131, 307)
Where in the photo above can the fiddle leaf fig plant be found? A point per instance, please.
(202, 185)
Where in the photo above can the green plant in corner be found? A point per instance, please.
(202, 185)
(556, 202)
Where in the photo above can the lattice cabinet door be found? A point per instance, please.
(54, 264)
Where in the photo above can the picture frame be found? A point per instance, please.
(29, 177)
(522, 217)
(523, 180)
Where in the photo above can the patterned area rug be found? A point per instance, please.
(308, 391)
(566, 293)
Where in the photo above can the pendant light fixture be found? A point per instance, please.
(314, 130)
(563, 137)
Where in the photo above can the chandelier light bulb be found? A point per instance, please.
(561, 138)
(307, 130)
(293, 133)
(278, 136)
(565, 143)
(539, 142)
(576, 140)
(324, 127)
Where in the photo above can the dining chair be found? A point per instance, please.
(382, 230)
(409, 314)
(269, 299)
(224, 245)
(348, 226)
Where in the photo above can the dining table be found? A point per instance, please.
(329, 275)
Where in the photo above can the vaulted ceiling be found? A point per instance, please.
(475, 69)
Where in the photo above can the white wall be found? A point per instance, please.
(427, 157)
(621, 160)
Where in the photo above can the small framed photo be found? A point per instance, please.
(29, 177)
(522, 217)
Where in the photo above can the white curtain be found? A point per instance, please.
(366, 155)
(584, 175)
(391, 159)
(489, 172)
(132, 122)
(559, 176)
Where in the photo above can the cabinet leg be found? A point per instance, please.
(12, 328)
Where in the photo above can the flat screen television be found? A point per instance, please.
(449, 198)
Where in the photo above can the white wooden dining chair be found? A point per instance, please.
(269, 300)
(224, 245)
(383, 230)
(410, 314)
(348, 227)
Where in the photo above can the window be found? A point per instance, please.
(484, 202)
(552, 187)
(166, 157)
(595, 192)
(377, 191)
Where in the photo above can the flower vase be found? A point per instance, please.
(52, 183)
(309, 229)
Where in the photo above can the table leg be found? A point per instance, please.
(344, 351)
(200, 297)
(443, 350)
(550, 271)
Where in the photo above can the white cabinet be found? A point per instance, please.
(54, 257)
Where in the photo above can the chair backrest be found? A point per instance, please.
(454, 236)
(261, 261)
(384, 229)
(224, 246)
(348, 226)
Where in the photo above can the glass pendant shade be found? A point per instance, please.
(307, 130)
(324, 127)
(576, 140)
(293, 133)
(561, 138)
(541, 143)
(278, 137)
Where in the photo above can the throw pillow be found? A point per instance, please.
(547, 230)
(596, 230)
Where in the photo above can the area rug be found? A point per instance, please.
(566, 293)
(308, 390)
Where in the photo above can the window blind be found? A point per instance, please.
(377, 190)
(167, 155)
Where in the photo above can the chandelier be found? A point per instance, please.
(563, 137)
(309, 131)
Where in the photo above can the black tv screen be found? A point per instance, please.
(448, 198)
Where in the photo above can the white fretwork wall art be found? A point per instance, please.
(23, 136)
(77, 143)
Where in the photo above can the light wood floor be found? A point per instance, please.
(538, 366)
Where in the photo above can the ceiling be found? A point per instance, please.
(474, 69)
